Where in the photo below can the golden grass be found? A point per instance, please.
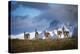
(17, 45)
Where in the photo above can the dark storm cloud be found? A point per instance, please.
(14, 5)
(21, 24)
(27, 16)
(63, 13)
(39, 6)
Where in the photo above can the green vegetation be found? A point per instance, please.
(17, 45)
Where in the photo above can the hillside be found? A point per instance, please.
(16, 45)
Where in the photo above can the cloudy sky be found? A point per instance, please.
(28, 16)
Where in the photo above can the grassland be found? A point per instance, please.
(16, 45)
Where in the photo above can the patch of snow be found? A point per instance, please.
(19, 36)
(32, 35)
(59, 29)
(55, 32)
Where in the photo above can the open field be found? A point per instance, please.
(16, 45)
